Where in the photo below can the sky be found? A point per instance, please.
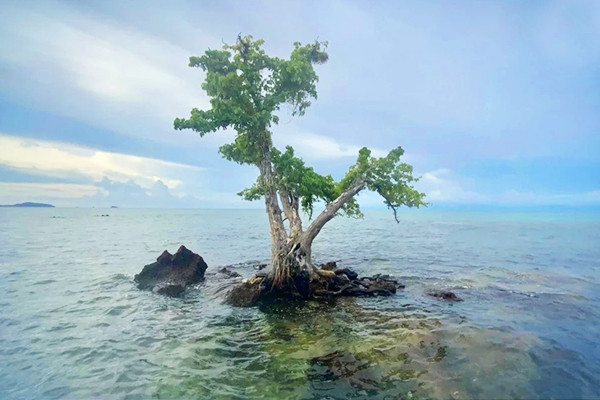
(496, 103)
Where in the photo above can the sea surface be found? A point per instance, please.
(73, 325)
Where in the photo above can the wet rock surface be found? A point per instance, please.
(348, 272)
(172, 273)
(445, 295)
(327, 282)
(329, 266)
(347, 283)
(245, 294)
(229, 272)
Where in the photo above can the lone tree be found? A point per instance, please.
(247, 89)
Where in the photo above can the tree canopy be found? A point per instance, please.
(247, 89)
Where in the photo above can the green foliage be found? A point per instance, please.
(294, 178)
(387, 176)
(247, 88)
(301, 182)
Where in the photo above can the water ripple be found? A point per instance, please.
(75, 326)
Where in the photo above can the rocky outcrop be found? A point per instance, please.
(326, 282)
(245, 294)
(445, 295)
(172, 273)
(329, 266)
(347, 283)
(229, 273)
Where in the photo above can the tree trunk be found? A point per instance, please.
(326, 215)
(292, 269)
(278, 234)
(289, 203)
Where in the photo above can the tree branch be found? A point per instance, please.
(290, 209)
(329, 212)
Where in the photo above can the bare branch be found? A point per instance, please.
(330, 211)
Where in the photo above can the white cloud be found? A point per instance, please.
(69, 63)
(441, 186)
(65, 160)
(316, 147)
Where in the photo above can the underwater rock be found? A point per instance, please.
(343, 366)
(245, 294)
(229, 273)
(388, 278)
(444, 295)
(171, 274)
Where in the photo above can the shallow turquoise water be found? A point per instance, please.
(73, 325)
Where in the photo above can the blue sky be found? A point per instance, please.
(495, 103)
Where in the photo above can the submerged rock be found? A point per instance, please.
(260, 267)
(229, 273)
(444, 295)
(245, 294)
(172, 273)
(345, 367)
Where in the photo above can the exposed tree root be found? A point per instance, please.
(310, 282)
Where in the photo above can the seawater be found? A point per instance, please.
(73, 325)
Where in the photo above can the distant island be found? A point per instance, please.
(29, 204)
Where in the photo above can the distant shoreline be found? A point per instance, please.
(29, 204)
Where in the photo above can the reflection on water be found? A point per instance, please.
(73, 325)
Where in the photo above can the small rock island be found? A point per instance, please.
(29, 204)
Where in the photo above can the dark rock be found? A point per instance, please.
(171, 274)
(444, 295)
(389, 278)
(229, 273)
(302, 283)
(372, 286)
(245, 294)
(339, 282)
(344, 367)
(341, 279)
(355, 291)
(170, 290)
(329, 266)
(261, 274)
(382, 287)
(260, 266)
(348, 272)
(384, 277)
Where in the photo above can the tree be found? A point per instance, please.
(247, 89)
